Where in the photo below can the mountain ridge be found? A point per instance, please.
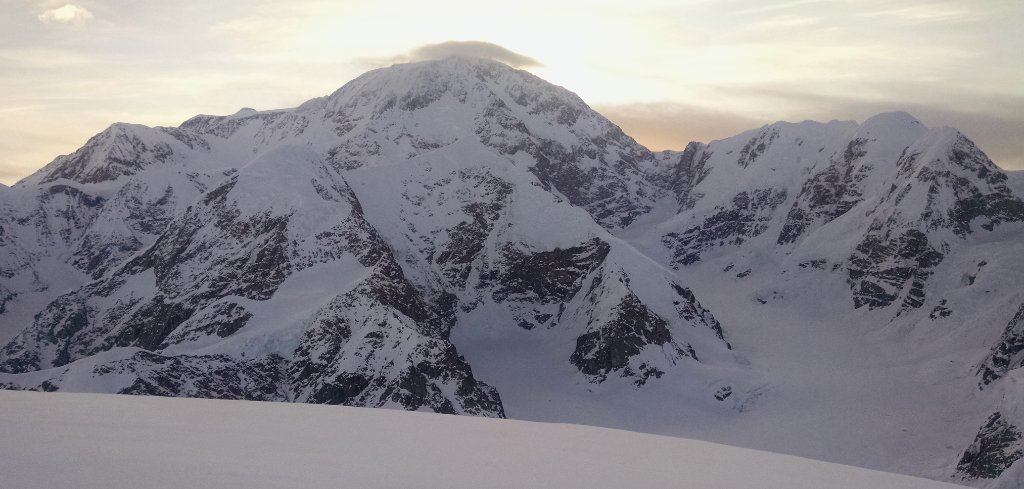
(462, 237)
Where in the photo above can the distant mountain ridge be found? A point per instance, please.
(462, 237)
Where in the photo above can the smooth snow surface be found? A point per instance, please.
(106, 441)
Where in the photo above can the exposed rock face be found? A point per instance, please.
(467, 238)
(579, 287)
(909, 219)
(997, 446)
(347, 360)
(881, 270)
(109, 155)
(610, 346)
(557, 274)
(568, 147)
(137, 213)
(140, 372)
(747, 217)
(892, 198)
(757, 146)
(367, 247)
(546, 278)
(691, 169)
(218, 256)
(600, 190)
(939, 189)
(982, 195)
(1008, 354)
(734, 193)
(828, 194)
(208, 273)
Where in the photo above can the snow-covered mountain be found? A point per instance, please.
(239, 241)
(908, 236)
(461, 237)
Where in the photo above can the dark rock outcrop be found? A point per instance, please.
(610, 346)
(997, 446)
(1008, 354)
(748, 216)
(884, 269)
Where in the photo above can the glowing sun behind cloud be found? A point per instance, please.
(68, 14)
(667, 71)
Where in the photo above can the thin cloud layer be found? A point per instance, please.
(940, 12)
(476, 49)
(671, 125)
(668, 125)
(68, 14)
(671, 71)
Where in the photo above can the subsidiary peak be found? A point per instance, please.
(896, 126)
(894, 118)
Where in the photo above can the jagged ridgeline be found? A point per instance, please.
(325, 253)
(462, 237)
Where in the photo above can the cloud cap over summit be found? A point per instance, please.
(477, 49)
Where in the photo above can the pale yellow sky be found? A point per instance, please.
(667, 71)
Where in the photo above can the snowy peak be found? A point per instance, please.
(393, 113)
(413, 86)
(739, 188)
(432, 234)
(890, 198)
(120, 150)
(462, 92)
(892, 125)
(956, 184)
(396, 114)
(255, 258)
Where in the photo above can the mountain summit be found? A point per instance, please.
(325, 253)
(462, 237)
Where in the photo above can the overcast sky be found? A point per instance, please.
(667, 71)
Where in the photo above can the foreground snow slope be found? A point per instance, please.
(108, 441)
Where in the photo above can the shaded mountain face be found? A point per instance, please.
(462, 237)
(276, 271)
(1008, 354)
(997, 446)
(393, 115)
(324, 254)
(890, 199)
(918, 231)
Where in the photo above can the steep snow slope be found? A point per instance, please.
(95, 441)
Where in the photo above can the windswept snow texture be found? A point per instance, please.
(458, 236)
(90, 441)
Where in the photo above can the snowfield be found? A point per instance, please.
(52, 440)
